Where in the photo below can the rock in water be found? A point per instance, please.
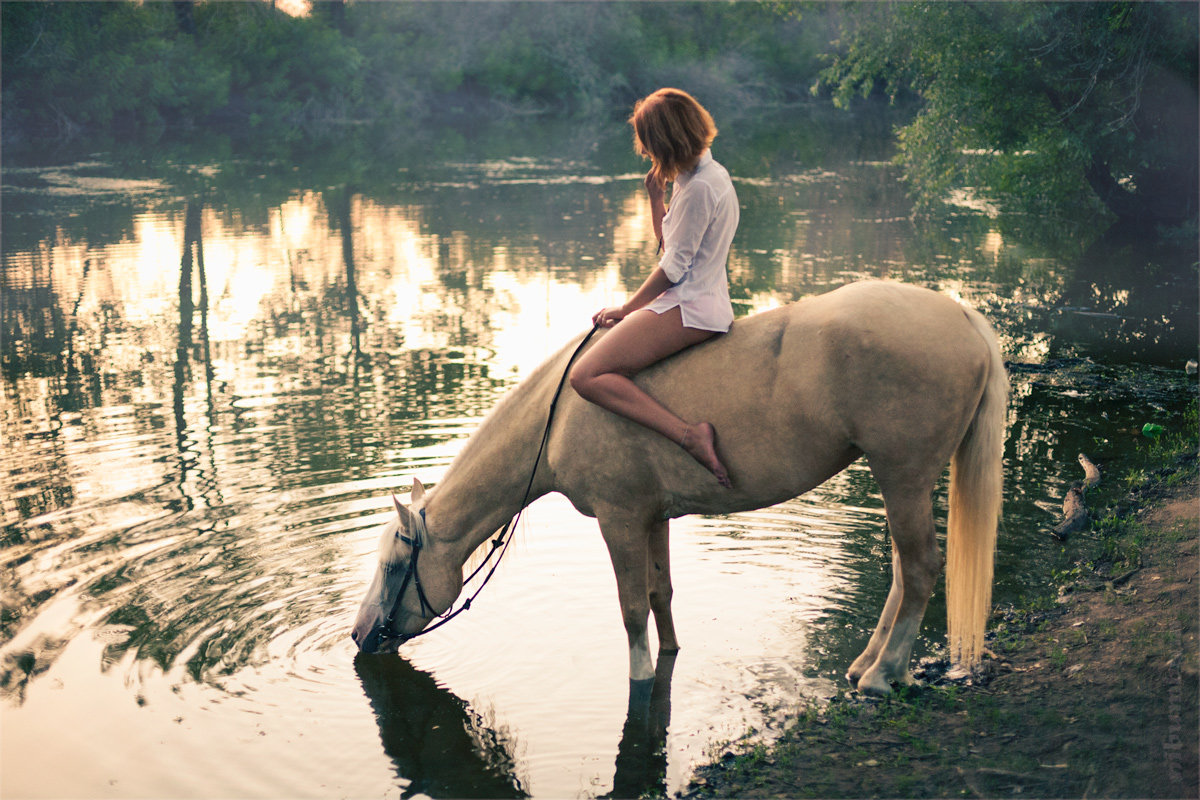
(1075, 514)
(1090, 471)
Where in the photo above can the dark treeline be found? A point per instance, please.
(73, 68)
(1055, 110)
(1046, 106)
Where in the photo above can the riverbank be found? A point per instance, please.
(1090, 693)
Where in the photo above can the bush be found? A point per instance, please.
(75, 65)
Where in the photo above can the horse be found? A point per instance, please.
(904, 376)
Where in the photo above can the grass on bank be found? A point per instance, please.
(1087, 699)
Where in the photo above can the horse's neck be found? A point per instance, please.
(485, 485)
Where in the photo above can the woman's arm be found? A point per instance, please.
(654, 285)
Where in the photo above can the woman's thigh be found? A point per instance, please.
(641, 339)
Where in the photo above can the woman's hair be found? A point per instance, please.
(672, 130)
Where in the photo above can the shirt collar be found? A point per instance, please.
(682, 178)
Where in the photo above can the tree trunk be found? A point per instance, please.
(184, 16)
(334, 12)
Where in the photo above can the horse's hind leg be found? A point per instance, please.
(916, 562)
(658, 577)
(627, 538)
(867, 657)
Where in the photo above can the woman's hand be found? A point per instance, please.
(652, 287)
(654, 187)
(607, 317)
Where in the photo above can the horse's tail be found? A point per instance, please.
(976, 478)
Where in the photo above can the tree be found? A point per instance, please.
(1046, 107)
(72, 66)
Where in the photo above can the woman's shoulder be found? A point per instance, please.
(714, 167)
(714, 177)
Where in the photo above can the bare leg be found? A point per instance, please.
(604, 376)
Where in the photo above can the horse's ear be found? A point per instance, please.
(418, 491)
(407, 518)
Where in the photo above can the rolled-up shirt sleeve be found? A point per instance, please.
(683, 230)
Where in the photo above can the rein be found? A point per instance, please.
(499, 544)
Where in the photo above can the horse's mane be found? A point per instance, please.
(541, 382)
(543, 379)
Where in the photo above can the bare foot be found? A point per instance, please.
(700, 441)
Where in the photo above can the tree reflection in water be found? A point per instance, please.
(642, 753)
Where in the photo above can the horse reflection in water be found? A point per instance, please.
(436, 741)
(443, 748)
(903, 376)
(642, 753)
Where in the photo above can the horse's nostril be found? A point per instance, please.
(370, 642)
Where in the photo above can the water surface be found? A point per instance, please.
(217, 367)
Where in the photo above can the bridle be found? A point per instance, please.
(386, 628)
(410, 576)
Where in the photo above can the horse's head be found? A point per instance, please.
(414, 582)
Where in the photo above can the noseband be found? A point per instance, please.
(386, 628)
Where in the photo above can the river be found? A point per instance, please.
(219, 359)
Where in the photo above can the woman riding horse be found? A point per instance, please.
(900, 376)
(685, 300)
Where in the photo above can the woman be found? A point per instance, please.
(685, 300)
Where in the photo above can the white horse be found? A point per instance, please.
(902, 375)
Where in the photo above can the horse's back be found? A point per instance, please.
(897, 370)
(798, 392)
(868, 349)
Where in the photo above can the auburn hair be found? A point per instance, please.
(672, 130)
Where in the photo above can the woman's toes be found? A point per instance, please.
(701, 443)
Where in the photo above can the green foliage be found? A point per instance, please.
(282, 67)
(1041, 106)
(582, 57)
(1181, 439)
(71, 67)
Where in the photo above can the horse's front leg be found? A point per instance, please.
(627, 538)
(658, 577)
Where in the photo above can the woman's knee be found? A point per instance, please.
(582, 379)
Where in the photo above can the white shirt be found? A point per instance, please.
(697, 232)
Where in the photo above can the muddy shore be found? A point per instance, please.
(1092, 693)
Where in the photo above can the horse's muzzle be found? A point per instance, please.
(378, 640)
(369, 643)
(370, 631)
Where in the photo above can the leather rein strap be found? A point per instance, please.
(499, 544)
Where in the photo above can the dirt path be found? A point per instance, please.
(1094, 695)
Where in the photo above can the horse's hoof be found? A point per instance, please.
(872, 682)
